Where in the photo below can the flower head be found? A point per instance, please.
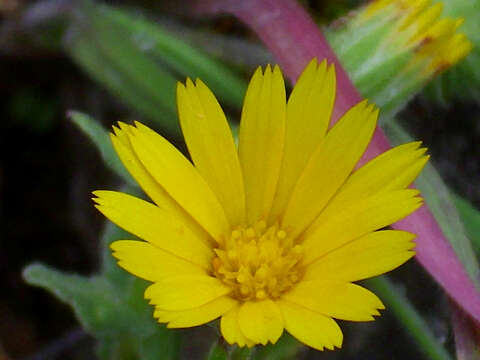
(270, 236)
(418, 25)
(392, 48)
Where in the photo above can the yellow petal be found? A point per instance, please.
(155, 225)
(394, 169)
(149, 262)
(261, 138)
(370, 255)
(340, 300)
(335, 228)
(231, 329)
(308, 114)
(185, 292)
(261, 321)
(196, 316)
(311, 328)
(425, 20)
(211, 146)
(123, 147)
(415, 9)
(329, 167)
(179, 179)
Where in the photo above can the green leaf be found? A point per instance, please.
(111, 232)
(111, 306)
(217, 352)
(113, 348)
(89, 56)
(471, 218)
(140, 63)
(99, 136)
(93, 299)
(163, 344)
(408, 316)
(107, 51)
(121, 320)
(179, 56)
(110, 269)
(244, 353)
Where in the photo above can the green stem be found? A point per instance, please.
(218, 351)
(221, 351)
(244, 353)
(409, 317)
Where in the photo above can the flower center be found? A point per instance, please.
(258, 262)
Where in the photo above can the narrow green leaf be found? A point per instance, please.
(106, 50)
(101, 68)
(99, 136)
(471, 218)
(140, 63)
(408, 317)
(180, 56)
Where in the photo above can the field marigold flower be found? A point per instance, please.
(272, 236)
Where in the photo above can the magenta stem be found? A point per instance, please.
(294, 39)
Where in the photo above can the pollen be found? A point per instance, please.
(258, 262)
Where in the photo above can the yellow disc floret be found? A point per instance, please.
(258, 262)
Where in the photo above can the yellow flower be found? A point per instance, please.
(272, 236)
(419, 25)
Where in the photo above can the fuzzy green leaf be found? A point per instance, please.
(121, 320)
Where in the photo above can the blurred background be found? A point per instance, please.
(60, 55)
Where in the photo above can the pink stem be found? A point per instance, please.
(292, 36)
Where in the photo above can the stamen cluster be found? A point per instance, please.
(258, 262)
